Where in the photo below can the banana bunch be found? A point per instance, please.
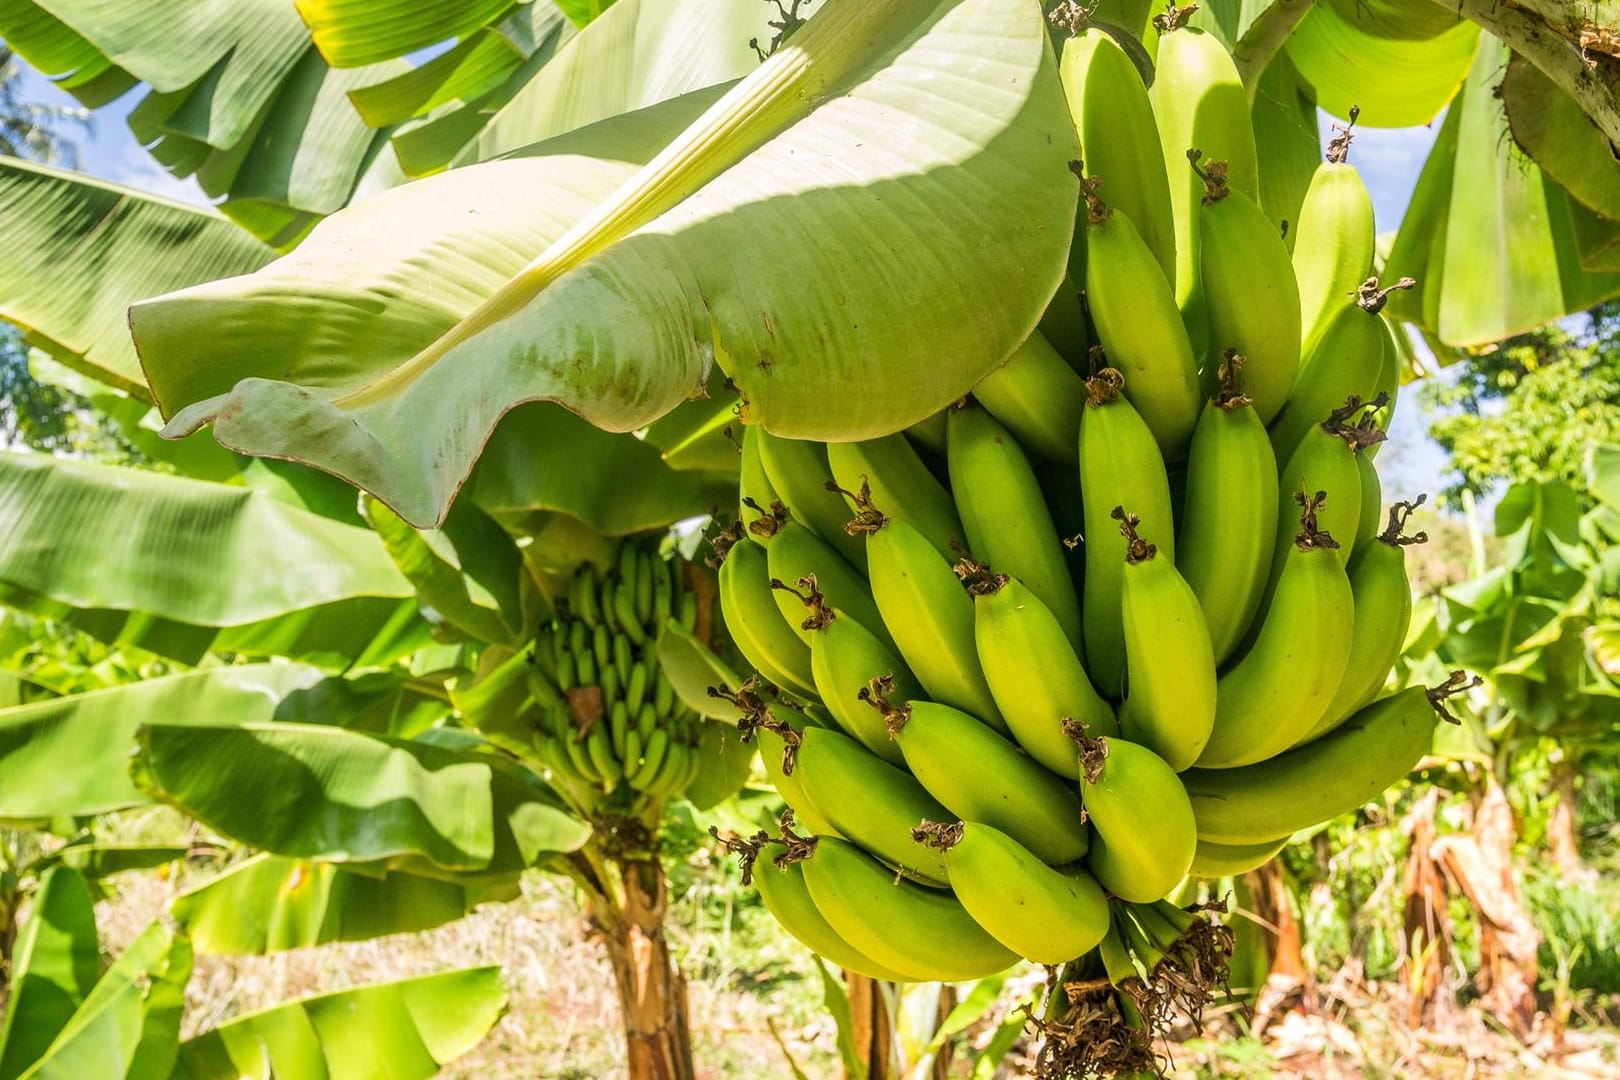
(610, 725)
(1116, 619)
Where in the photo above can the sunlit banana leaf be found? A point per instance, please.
(268, 904)
(55, 48)
(403, 1030)
(115, 246)
(915, 153)
(1597, 239)
(1550, 127)
(724, 763)
(129, 1024)
(350, 34)
(340, 796)
(67, 757)
(378, 702)
(54, 963)
(1287, 141)
(178, 566)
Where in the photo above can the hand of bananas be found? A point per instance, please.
(1024, 751)
(612, 730)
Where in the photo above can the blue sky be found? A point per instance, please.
(1389, 161)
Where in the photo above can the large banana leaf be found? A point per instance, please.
(115, 246)
(1550, 127)
(351, 34)
(178, 566)
(268, 904)
(340, 796)
(891, 163)
(54, 965)
(402, 1030)
(67, 757)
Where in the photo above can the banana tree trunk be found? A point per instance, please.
(652, 991)
(872, 1030)
(1561, 830)
(1427, 928)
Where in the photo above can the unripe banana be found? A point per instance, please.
(1169, 662)
(1144, 833)
(1315, 783)
(1334, 244)
(901, 484)
(1383, 599)
(599, 745)
(1045, 915)
(753, 487)
(644, 587)
(795, 552)
(652, 757)
(1038, 397)
(1249, 289)
(927, 612)
(920, 932)
(1004, 513)
(1324, 462)
(1035, 674)
(1199, 102)
(1213, 860)
(1119, 462)
(798, 472)
(778, 748)
(631, 757)
(868, 800)
(1272, 697)
(755, 622)
(980, 776)
(635, 691)
(582, 598)
(928, 433)
(580, 758)
(1224, 545)
(1346, 361)
(1133, 307)
(618, 722)
(647, 719)
(624, 608)
(845, 657)
(1372, 498)
(665, 590)
(1389, 383)
(785, 895)
(1119, 137)
(624, 658)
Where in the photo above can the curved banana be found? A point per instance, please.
(1331, 776)
(1389, 382)
(778, 747)
(1251, 298)
(845, 657)
(900, 483)
(798, 474)
(1044, 915)
(1325, 462)
(786, 896)
(1212, 860)
(923, 933)
(795, 552)
(1334, 244)
(1144, 833)
(868, 800)
(1038, 397)
(1224, 544)
(1372, 498)
(652, 757)
(1120, 462)
(1004, 513)
(1169, 662)
(1034, 673)
(980, 776)
(755, 622)
(755, 492)
(1346, 361)
(1271, 698)
(1134, 309)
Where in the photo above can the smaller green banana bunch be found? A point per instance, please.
(611, 725)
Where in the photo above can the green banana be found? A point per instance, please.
(868, 800)
(624, 658)
(795, 552)
(1212, 860)
(1119, 462)
(635, 691)
(1169, 662)
(755, 622)
(1199, 102)
(1389, 383)
(599, 745)
(1383, 610)
(778, 746)
(1314, 783)
(929, 433)
(583, 762)
(647, 718)
(1038, 397)
(1347, 361)
(644, 587)
(1271, 698)
(1119, 137)
(582, 598)
(980, 776)
(754, 488)
(652, 757)
(1044, 915)
(786, 896)
(1372, 498)
(926, 611)
(1224, 545)
(900, 483)
(1252, 300)
(1325, 462)
(798, 473)
(631, 757)
(1004, 514)
(1034, 673)
(923, 933)
(1334, 243)
(845, 657)
(1143, 827)
(618, 721)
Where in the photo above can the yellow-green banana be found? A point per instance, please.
(796, 552)
(868, 800)
(755, 622)
(900, 483)
(1038, 397)
(1372, 498)
(1334, 244)
(1272, 697)
(1144, 834)
(1224, 544)
(1044, 915)
(1119, 462)
(1324, 462)
(798, 474)
(923, 933)
(1346, 361)
(1250, 295)
(1169, 662)
(783, 890)
(1004, 513)
(1034, 673)
(844, 657)
(980, 776)
(753, 487)
(1315, 783)
(1212, 860)
(778, 748)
